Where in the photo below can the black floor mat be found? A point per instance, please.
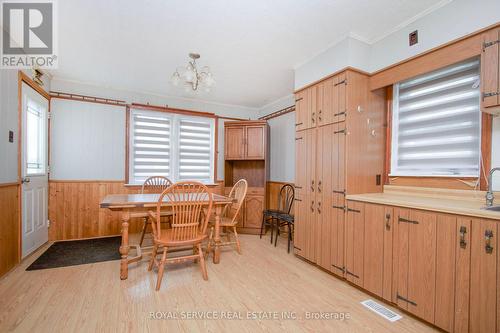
(78, 252)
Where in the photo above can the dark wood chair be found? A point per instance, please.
(270, 216)
(188, 225)
(285, 220)
(154, 184)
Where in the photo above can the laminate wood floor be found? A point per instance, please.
(262, 283)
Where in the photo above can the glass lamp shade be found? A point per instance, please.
(209, 80)
(176, 78)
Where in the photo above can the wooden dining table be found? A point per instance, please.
(135, 205)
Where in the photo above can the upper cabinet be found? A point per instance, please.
(490, 71)
(245, 140)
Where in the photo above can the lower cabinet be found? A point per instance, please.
(354, 242)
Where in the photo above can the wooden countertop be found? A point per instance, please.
(444, 201)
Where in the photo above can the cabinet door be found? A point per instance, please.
(254, 205)
(388, 255)
(400, 258)
(310, 226)
(255, 144)
(354, 243)
(234, 143)
(324, 102)
(373, 267)
(483, 284)
(422, 264)
(337, 235)
(445, 271)
(462, 279)
(302, 106)
(300, 162)
(339, 98)
(310, 144)
(324, 194)
(299, 229)
(490, 68)
(313, 110)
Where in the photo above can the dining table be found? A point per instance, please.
(135, 205)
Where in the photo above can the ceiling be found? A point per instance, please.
(251, 47)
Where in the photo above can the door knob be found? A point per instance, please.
(25, 180)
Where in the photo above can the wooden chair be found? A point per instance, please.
(188, 225)
(270, 217)
(154, 184)
(229, 216)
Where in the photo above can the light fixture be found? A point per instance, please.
(191, 77)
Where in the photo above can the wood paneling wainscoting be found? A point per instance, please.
(74, 211)
(272, 192)
(9, 227)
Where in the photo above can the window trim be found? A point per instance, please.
(154, 108)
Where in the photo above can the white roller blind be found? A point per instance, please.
(195, 150)
(436, 123)
(172, 145)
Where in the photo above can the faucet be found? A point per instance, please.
(489, 194)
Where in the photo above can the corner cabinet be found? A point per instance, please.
(246, 157)
(490, 71)
(442, 268)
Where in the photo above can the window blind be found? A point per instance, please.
(436, 123)
(195, 150)
(151, 146)
(176, 146)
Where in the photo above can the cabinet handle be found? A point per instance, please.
(313, 117)
(388, 221)
(319, 186)
(319, 115)
(312, 206)
(312, 185)
(463, 231)
(319, 207)
(488, 235)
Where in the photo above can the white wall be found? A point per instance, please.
(495, 152)
(87, 141)
(8, 122)
(282, 140)
(452, 21)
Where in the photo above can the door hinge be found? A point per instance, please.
(344, 81)
(339, 207)
(299, 138)
(48, 223)
(339, 268)
(402, 219)
(398, 296)
(488, 44)
(339, 114)
(297, 248)
(490, 94)
(299, 99)
(297, 199)
(353, 210)
(339, 192)
(49, 115)
(298, 124)
(344, 131)
(48, 168)
(351, 274)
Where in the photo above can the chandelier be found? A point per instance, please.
(191, 77)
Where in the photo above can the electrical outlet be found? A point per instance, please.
(413, 37)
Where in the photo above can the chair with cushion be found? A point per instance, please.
(154, 184)
(285, 220)
(187, 201)
(230, 215)
(285, 201)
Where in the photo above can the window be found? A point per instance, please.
(436, 123)
(35, 143)
(173, 145)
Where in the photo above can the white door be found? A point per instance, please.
(35, 231)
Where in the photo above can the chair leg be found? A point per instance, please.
(289, 236)
(161, 268)
(238, 246)
(203, 265)
(272, 229)
(153, 257)
(143, 232)
(277, 232)
(262, 225)
(209, 243)
(195, 251)
(228, 236)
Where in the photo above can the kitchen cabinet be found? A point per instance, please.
(490, 71)
(253, 207)
(483, 276)
(324, 104)
(462, 274)
(354, 244)
(245, 140)
(339, 105)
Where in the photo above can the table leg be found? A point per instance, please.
(218, 212)
(124, 248)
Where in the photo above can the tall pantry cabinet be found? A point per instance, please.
(339, 148)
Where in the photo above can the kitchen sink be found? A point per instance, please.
(493, 208)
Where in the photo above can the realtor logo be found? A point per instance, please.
(28, 37)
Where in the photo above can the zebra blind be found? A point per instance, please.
(436, 123)
(171, 145)
(195, 150)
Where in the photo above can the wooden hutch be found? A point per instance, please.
(246, 154)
